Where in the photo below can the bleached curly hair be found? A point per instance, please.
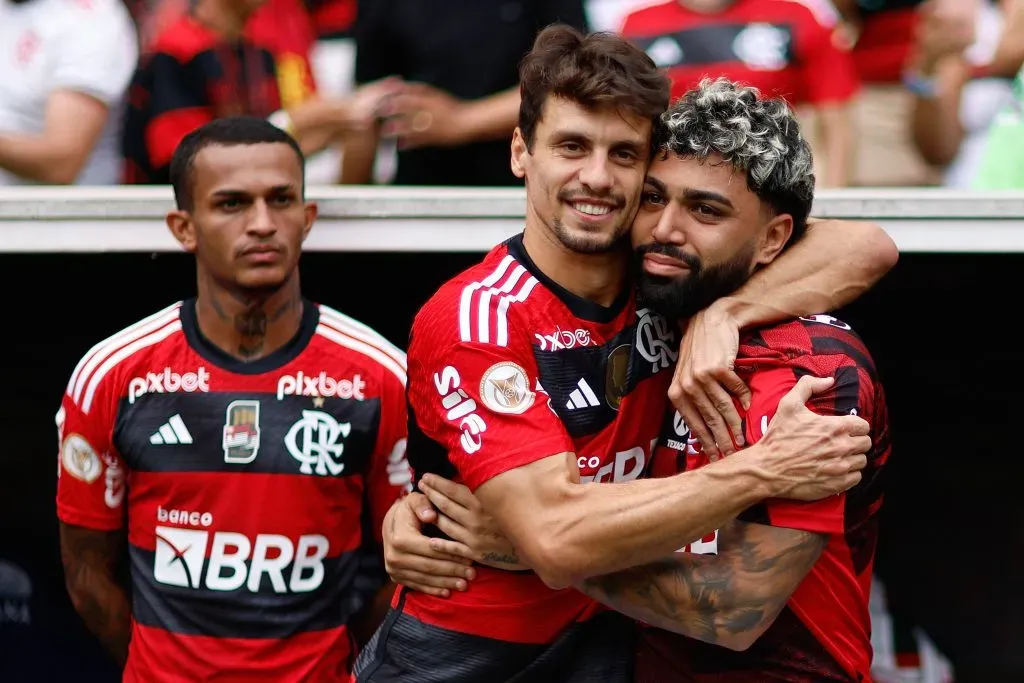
(759, 136)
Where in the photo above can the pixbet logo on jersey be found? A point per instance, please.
(227, 560)
(168, 382)
(321, 385)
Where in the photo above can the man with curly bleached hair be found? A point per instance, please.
(781, 592)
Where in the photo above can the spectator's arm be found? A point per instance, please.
(836, 122)
(74, 122)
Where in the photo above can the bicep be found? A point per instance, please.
(74, 122)
(767, 563)
(86, 550)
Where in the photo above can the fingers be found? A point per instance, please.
(447, 507)
(805, 388)
(432, 585)
(420, 506)
(457, 492)
(853, 425)
(736, 387)
(725, 422)
(694, 419)
(457, 531)
(453, 548)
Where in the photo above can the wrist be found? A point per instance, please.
(745, 469)
(730, 310)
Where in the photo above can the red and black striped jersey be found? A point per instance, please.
(824, 632)
(507, 368)
(785, 48)
(191, 75)
(253, 493)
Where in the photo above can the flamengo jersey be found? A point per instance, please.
(253, 493)
(823, 633)
(785, 48)
(507, 368)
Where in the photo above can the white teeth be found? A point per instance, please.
(592, 209)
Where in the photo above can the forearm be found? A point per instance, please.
(37, 158)
(602, 528)
(104, 607)
(686, 594)
(837, 134)
(935, 121)
(834, 264)
(491, 118)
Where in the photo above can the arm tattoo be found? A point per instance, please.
(90, 559)
(722, 599)
(501, 558)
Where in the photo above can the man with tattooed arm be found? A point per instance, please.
(781, 592)
(248, 440)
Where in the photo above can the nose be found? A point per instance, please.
(669, 228)
(596, 174)
(261, 220)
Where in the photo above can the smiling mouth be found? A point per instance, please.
(595, 209)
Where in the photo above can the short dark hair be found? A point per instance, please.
(226, 132)
(757, 135)
(596, 70)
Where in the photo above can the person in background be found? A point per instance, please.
(955, 98)
(453, 120)
(65, 68)
(221, 58)
(791, 50)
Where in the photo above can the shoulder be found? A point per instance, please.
(647, 16)
(809, 337)
(182, 39)
(347, 337)
(817, 12)
(107, 368)
(485, 304)
(105, 15)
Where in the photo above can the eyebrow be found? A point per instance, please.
(229, 193)
(571, 135)
(692, 195)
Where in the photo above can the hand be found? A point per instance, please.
(408, 556)
(361, 110)
(705, 382)
(421, 115)
(475, 534)
(813, 456)
(941, 32)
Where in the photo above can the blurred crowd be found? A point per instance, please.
(411, 92)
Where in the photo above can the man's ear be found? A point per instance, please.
(774, 239)
(312, 211)
(520, 154)
(181, 226)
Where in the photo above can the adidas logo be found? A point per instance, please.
(171, 432)
(582, 397)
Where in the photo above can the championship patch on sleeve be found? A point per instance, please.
(80, 460)
(505, 388)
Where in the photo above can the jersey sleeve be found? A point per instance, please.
(98, 52)
(829, 73)
(91, 474)
(389, 477)
(843, 398)
(483, 404)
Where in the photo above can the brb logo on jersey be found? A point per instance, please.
(227, 561)
(168, 382)
(316, 441)
(461, 408)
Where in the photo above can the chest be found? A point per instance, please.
(609, 392)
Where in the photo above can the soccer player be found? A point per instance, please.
(780, 593)
(532, 374)
(250, 442)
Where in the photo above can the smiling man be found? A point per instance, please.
(250, 440)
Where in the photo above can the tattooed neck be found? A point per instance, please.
(250, 326)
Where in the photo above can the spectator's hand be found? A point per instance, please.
(941, 33)
(409, 556)
(705, 382)
(475, 533)
(366, 105)
(423, 116)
